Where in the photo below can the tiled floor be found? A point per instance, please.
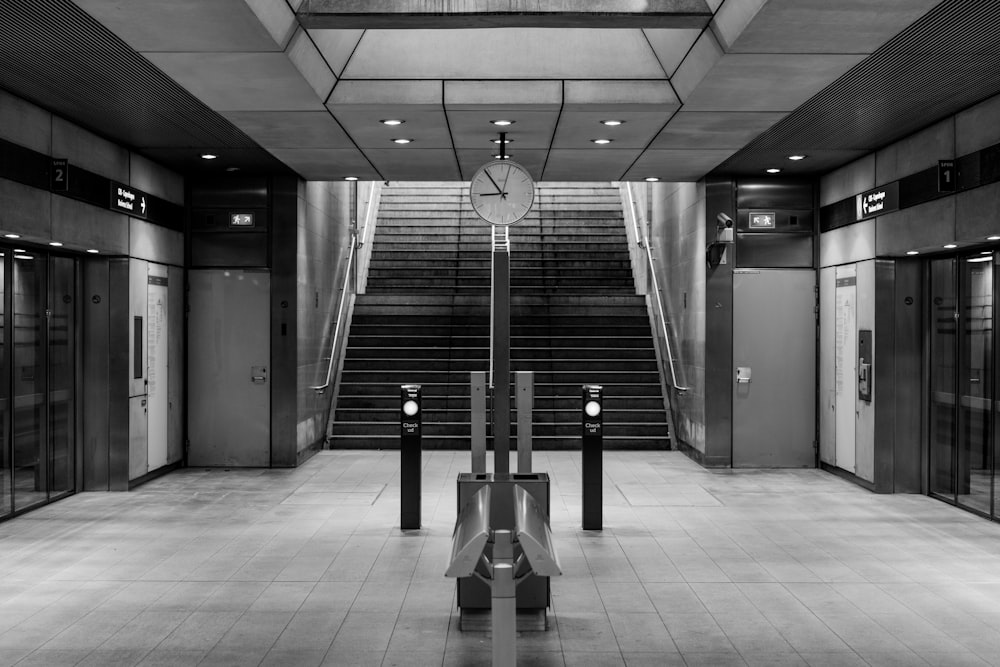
(308, 567)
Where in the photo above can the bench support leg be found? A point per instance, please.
(504, 603)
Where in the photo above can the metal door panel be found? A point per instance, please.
(827, 365)
(774, 336)
(228, 347)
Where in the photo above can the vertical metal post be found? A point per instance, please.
(477, 399)
(504, 601)
(409, 451)
(501, 350)
(593, 457)
(524, 394)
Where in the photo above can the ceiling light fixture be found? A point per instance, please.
(773, 170)
(612, 123)
(912, 252)
(652, 179)
(601, 141)
(350, 178)
(23, 257)
(208, 156)
(55, 244)
(401, 141)
(232, 169)
(975, 260)
(93, 251)
(392, 121)
(993, 238)
(950, 246)
(796, 158)
(503, 123)
(12, 236)
(501, 157)
(506, 141)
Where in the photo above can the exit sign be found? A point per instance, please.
(761, 220)
(241, 220)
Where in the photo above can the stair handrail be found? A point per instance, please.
(358, 240)
(642, 239)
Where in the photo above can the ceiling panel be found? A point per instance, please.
(275, 83)
(415, 164)
(588, 165)
(427, 128)
(675, 165)
(766, 82)
(670, 46)
(531, 129)
(324, 164)
(819, 26)
(185, 25)
(336, 46)
(714, 129)
(291, 129)
(577, 128)
(530, 53)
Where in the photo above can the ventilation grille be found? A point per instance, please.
(59, 57)
(944, 62)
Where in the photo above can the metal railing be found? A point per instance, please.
(358, 241)
(643, 242)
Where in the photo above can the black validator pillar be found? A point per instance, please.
(409, 446)
(593, 457)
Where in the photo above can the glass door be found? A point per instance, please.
(37, 378)
(963, 375)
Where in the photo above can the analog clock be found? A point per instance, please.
(502, 192)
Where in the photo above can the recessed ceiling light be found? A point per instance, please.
(93, 251)
(232, 169)
(601, 141)
(208, 156)
(912, 252)
(796, 157)
(350, 178)
(979, 259)
(503, 123)
(993, 238)
(12, 236)
(56, 244)
(652, 179)
(20, 250)
(23, 257)
(773, 170)
(506, 141)
(949, 246)
(392, 121)
(501, 157)
(401, 141)
(612, 123)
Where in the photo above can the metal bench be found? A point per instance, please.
(525, 550)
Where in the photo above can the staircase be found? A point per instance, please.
(425, 319)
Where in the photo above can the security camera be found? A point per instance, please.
(724, 221)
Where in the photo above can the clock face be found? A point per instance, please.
(502, 192)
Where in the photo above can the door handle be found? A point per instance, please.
(258, 374)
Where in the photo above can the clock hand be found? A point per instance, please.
(504, 188)
(492, 194)
(499, 189)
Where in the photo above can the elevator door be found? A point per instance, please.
(963, 376)
(774, 340)
(229, 400)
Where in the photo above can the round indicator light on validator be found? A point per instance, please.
(410, 408)
(592, 408)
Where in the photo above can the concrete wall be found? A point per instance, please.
(677, 240)
(323, 247)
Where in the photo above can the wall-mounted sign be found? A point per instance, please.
(762, 220)
(59, 175)
(946, 176)
(878, 201)
(129, 200)
(241, 220)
